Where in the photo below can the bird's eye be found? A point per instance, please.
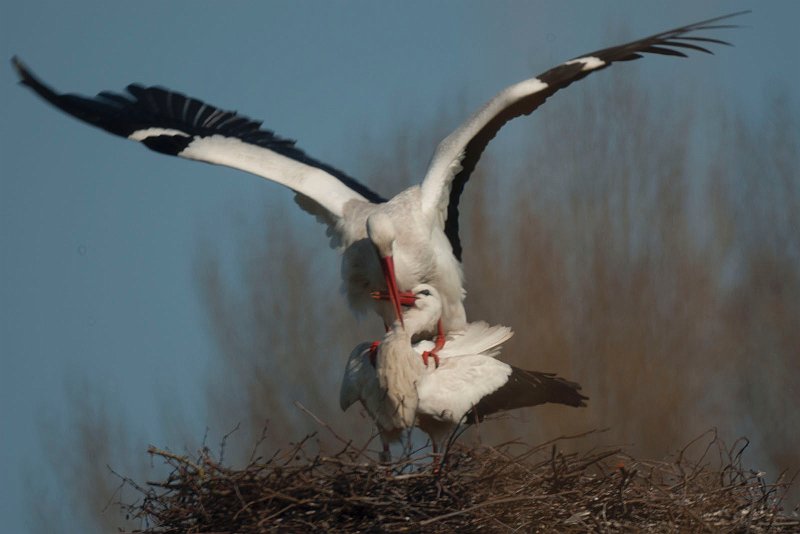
(425, 292)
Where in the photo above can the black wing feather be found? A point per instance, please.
(157, 107)
(560, 77)
(527, 388)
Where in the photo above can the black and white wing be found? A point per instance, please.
(178, 125)
(456, 156)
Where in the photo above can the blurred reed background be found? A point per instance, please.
(641, 244)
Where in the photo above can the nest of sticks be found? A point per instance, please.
(509, 487)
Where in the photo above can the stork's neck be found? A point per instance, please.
(398, 368)
(420, 320)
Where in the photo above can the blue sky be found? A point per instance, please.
(99, 236)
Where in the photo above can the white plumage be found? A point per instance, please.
(401, 392)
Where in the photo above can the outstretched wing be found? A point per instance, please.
(456, 156)
(178, 125)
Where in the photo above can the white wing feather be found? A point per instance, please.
(460, 382)
(446, 161)
(312, 182)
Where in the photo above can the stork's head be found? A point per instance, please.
(423, 307)
(427, 306)
(381, 231)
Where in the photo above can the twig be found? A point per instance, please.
(493, 503)
(151, 449)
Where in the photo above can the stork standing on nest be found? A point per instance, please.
(427, 247)
(399, 391)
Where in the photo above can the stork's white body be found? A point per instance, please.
(401, 392)
(421, 252)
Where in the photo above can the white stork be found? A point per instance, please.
(426, 247)
(399, 391)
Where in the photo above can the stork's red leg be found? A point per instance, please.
(438, 345)
(440, 337)
(438, 459)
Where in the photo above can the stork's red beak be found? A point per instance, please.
(407, 298)
(387, 264)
